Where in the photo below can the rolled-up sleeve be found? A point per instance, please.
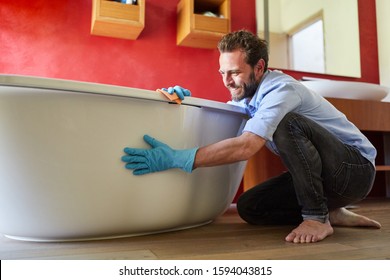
(271, 110)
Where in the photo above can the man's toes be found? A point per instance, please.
(291, 237)
(310, 238)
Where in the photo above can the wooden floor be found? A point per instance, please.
(226, 238)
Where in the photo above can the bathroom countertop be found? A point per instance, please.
(365, 114)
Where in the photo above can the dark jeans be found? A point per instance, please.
(323, 173)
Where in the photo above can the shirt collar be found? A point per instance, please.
(252, 103)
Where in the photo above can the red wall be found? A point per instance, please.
(52, 39)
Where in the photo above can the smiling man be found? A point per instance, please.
(330, 162)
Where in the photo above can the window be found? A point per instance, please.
(306, 47)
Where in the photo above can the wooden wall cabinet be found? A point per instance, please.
(114, 19)
(194, 29)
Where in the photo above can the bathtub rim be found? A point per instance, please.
(24, 81)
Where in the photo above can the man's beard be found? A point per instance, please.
(248, 88)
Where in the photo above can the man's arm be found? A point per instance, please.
(162, 157)
(228, 151)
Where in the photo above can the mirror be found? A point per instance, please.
(316, 36)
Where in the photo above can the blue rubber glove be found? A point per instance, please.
(160, 157)
(180, 91)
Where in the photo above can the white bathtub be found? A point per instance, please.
(61, 176)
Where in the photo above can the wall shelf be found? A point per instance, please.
(382, 168)
(194, 29)
(114, 19)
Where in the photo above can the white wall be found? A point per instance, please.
(340, 17)
(383, 26)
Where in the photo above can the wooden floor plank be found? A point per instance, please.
(228, 237)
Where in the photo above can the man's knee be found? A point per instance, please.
(244, 207)
(248, 208)
(283, 129)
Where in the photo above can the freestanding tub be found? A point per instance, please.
(61, 176)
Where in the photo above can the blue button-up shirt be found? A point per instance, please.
(279, 94)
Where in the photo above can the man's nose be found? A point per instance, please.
(227, 80)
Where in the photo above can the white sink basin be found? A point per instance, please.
(347, 90)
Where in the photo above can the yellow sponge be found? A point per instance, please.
(172, 97)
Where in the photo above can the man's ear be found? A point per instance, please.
(259, 68)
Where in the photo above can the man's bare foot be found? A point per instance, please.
(313, 231)
(310, 231)
(344, 217)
